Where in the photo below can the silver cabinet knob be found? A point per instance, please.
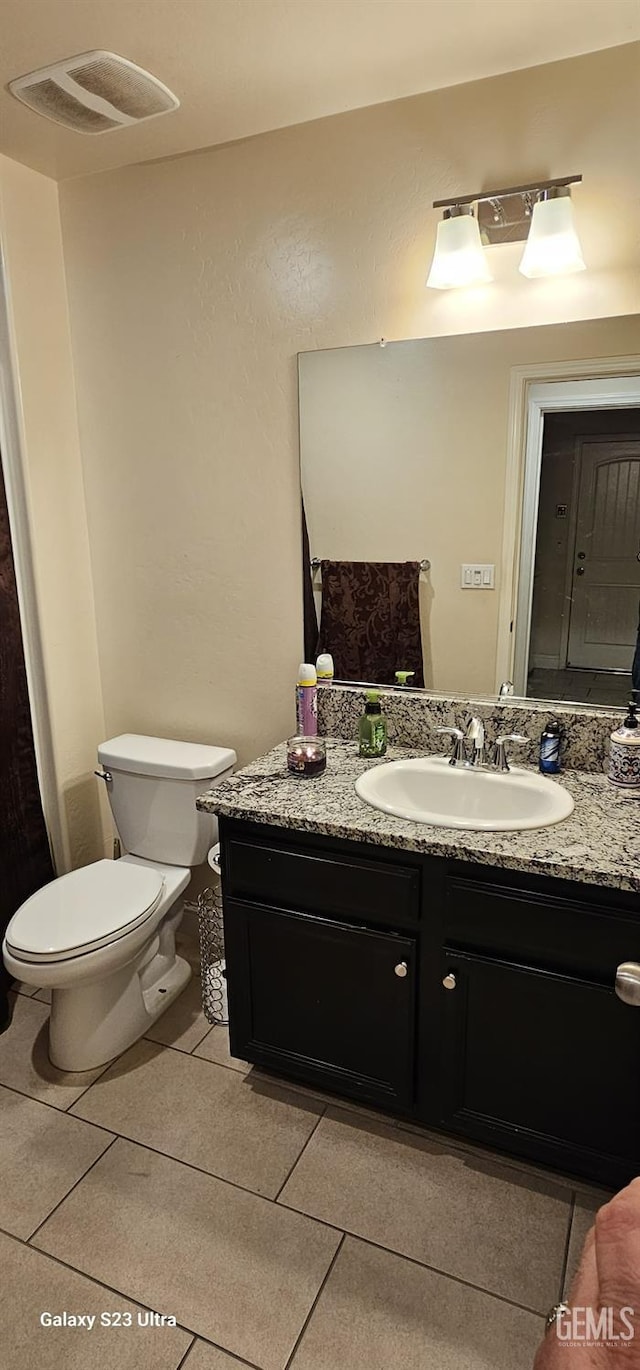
(449, 981)
(628, 983)
(401, 969)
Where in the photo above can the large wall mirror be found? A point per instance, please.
(514, 453)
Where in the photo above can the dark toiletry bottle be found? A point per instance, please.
(550, 748)
(372, 729)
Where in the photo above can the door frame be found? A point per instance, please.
(11, 450)
(596, 383)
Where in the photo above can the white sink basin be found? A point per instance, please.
(430, 790)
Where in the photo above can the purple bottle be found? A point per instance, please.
(307, 701)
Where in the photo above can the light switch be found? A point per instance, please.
(474, 576)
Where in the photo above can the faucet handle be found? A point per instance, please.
(457, 736)
(500, 755)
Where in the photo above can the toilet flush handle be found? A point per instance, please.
(104, 775)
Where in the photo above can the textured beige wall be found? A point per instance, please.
(194, 282)
(404, 456)
(32, 250)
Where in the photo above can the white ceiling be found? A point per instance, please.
(240, 67)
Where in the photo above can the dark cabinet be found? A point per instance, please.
(332, 1003)
(540, 1063)
(472, 999)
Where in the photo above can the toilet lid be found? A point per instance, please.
(87, 908)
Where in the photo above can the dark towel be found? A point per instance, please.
(370, 620)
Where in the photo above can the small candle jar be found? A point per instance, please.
(306, 756)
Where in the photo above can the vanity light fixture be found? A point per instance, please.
(553, 246)
(458, 258)
(540, 214)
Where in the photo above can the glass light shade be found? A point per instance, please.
(553, 246)
(459, 257)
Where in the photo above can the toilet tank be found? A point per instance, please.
(153, 784)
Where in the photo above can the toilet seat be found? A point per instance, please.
(84, 910)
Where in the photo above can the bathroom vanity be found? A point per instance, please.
(463, 980)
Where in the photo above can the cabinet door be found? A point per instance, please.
(329, 1002)
(543, 1063)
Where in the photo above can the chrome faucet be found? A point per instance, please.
(458, 753)
(470, 749)
(475, 734)
(500, 760)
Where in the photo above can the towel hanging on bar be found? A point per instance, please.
(425, 564)
(370, 619)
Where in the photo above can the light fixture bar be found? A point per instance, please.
(533, 188)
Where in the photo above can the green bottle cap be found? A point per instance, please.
(372, 696)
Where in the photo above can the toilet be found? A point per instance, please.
(102, 938)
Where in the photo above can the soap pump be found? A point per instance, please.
(402, 677)
(624, 757)
(372, 728)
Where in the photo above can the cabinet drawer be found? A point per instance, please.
(551, 932)
(320, 882)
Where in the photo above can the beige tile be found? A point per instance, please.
(33, 1284)
(500, 1230)
(42, 1154)
(382, 1312)
(19, 987)
(184, 1024)
(584, 1216)
(203, 1114)
(205, 1357)
(24, 1058)
(230, 1266)
(215, 1047)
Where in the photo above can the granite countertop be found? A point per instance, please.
(598, 844)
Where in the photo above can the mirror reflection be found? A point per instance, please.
(472, 505)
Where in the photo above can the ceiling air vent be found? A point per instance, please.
(94, 92)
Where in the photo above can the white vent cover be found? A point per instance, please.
(94, 92)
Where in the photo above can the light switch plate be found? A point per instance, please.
(477, 576)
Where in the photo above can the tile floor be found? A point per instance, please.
(580, 687)
(281, 1229)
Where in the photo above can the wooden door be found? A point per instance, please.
(606, 567)
(541, 1063)
(329, 1002)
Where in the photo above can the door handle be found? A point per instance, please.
(401, 969)
(628, 983)
(449, 981)
(579, 570)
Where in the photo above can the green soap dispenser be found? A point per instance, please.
(372, 728)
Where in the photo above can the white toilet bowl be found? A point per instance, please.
(102, 938)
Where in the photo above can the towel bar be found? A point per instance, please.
(425, 564)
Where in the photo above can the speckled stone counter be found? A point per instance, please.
(598, 845)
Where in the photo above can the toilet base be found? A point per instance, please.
(92, 1023)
